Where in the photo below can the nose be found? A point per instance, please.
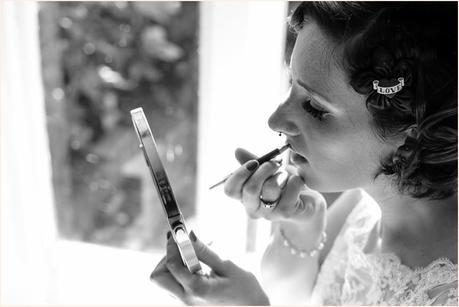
(282, 120)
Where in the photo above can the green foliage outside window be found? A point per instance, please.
(100, 60)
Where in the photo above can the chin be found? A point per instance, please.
(319, 183)
(313, 183)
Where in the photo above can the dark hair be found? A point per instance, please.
(416, 41)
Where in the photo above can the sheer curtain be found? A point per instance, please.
(27, 214)
(241, 83)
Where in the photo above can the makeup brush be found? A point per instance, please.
(270, 155)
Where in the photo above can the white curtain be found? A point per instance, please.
(241, 83)
(27, 211)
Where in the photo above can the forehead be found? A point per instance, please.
(313, 59)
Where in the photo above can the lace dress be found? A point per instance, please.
(349, 276)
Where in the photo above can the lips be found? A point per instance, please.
(295, 157)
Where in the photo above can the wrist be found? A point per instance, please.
(301, 241)
(302, 252)
(300, 232)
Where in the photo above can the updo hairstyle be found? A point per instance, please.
(418, 42)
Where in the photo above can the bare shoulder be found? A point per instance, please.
(336, 216)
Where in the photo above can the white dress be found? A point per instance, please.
(348, 276)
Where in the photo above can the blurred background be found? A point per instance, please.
(81, 220)
(99, 61)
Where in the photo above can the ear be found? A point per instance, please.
(405, 151)
(412, 131)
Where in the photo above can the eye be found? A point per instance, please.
(316, 113)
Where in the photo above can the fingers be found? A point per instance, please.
(243, 155)
(314, 203)
(209, 257)
(273, 186)
(250, 181)
(194, 285)
(176, 267)
(252, 188)
(164, 279)
(233, 185)
(160, 268)
(289, 203)
(236, 286)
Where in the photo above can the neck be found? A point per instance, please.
(407, 217)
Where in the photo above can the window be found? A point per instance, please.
(100, 60)
(239, 64)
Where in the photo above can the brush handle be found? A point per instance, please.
(270, 155)
(220, 182)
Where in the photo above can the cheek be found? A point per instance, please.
(343, 158)
(347, 154)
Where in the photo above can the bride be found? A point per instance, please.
(372, 112)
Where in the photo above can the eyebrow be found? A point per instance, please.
(307, 87)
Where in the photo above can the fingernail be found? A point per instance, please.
(193, 236)
(252, 165)
(168, 235)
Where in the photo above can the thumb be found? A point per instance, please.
(243, 155)
(207, 256)
(314, 205)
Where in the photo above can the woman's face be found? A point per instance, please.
(334, 146)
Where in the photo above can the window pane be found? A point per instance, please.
(100, 60)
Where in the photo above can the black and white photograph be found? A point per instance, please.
(221, 152)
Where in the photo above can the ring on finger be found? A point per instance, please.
(268, 204)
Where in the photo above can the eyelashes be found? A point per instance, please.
(314, 112)
(308, 107)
